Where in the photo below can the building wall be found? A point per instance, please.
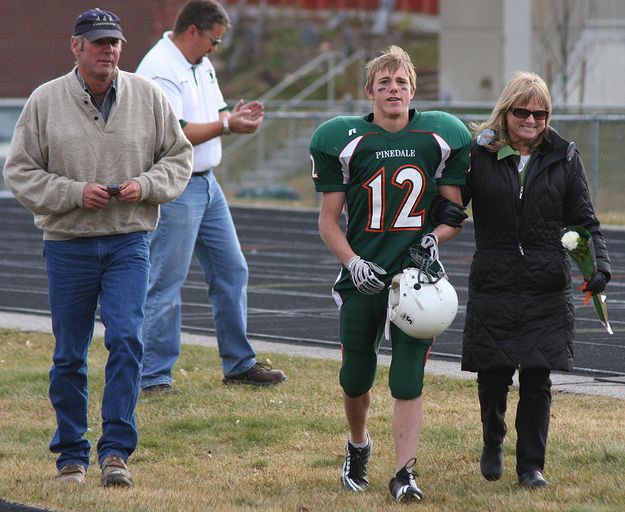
(35, 33)
(35, 37)
(417, 6)
(577, 46)
(470, 49)
(580, 50)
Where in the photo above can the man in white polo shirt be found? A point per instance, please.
(199, 220)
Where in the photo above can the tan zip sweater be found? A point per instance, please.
(61, 142)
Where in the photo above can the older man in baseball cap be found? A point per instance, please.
(97, 23)
(97, 45)
(111, 152)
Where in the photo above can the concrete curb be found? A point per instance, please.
(562, 382)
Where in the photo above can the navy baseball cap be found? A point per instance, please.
(97, 23)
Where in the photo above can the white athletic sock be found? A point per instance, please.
(359, 445)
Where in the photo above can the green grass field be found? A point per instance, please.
(237, 448)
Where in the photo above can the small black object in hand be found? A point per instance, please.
(113, 189)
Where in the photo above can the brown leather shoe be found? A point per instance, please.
(115, 472)
(257, 375)
(72, 474)
(159, 389)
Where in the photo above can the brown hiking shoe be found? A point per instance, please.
(72, 474)
(257, 375)
(115, 472)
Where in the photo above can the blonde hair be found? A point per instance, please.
(392, 59)
(523, 88)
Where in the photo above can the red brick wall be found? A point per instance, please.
(35, 34)
(417, 6)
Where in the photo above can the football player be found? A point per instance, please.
(384, 170)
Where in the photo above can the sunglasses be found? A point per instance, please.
(215, 40)
(523, 113)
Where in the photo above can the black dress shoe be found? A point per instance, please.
(491, 462)
(533, 480)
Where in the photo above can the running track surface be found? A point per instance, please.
(291, 273)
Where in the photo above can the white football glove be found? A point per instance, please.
(430, 243)
(364, 275)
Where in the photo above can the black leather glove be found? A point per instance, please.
(597, 283)
(444, 211)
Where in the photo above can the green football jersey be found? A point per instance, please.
(389, 180)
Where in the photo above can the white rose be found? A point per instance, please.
(570, 240)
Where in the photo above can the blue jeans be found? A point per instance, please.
(115, 270)
(199, 222)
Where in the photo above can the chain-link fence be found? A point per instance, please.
(601, 143)
(272, 166)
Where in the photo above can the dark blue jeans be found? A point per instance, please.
(114, 270)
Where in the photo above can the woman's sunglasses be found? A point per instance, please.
(523, 113)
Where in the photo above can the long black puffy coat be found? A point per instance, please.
(520, 311)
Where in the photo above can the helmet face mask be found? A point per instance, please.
(433, 269)
(422, 303)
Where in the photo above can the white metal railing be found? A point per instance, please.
(334, 69)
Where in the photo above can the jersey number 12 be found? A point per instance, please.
(412, 181)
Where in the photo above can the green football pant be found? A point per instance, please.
(361, 328)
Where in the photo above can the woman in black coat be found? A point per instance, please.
(526, 184)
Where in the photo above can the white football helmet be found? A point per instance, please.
(420, 304)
